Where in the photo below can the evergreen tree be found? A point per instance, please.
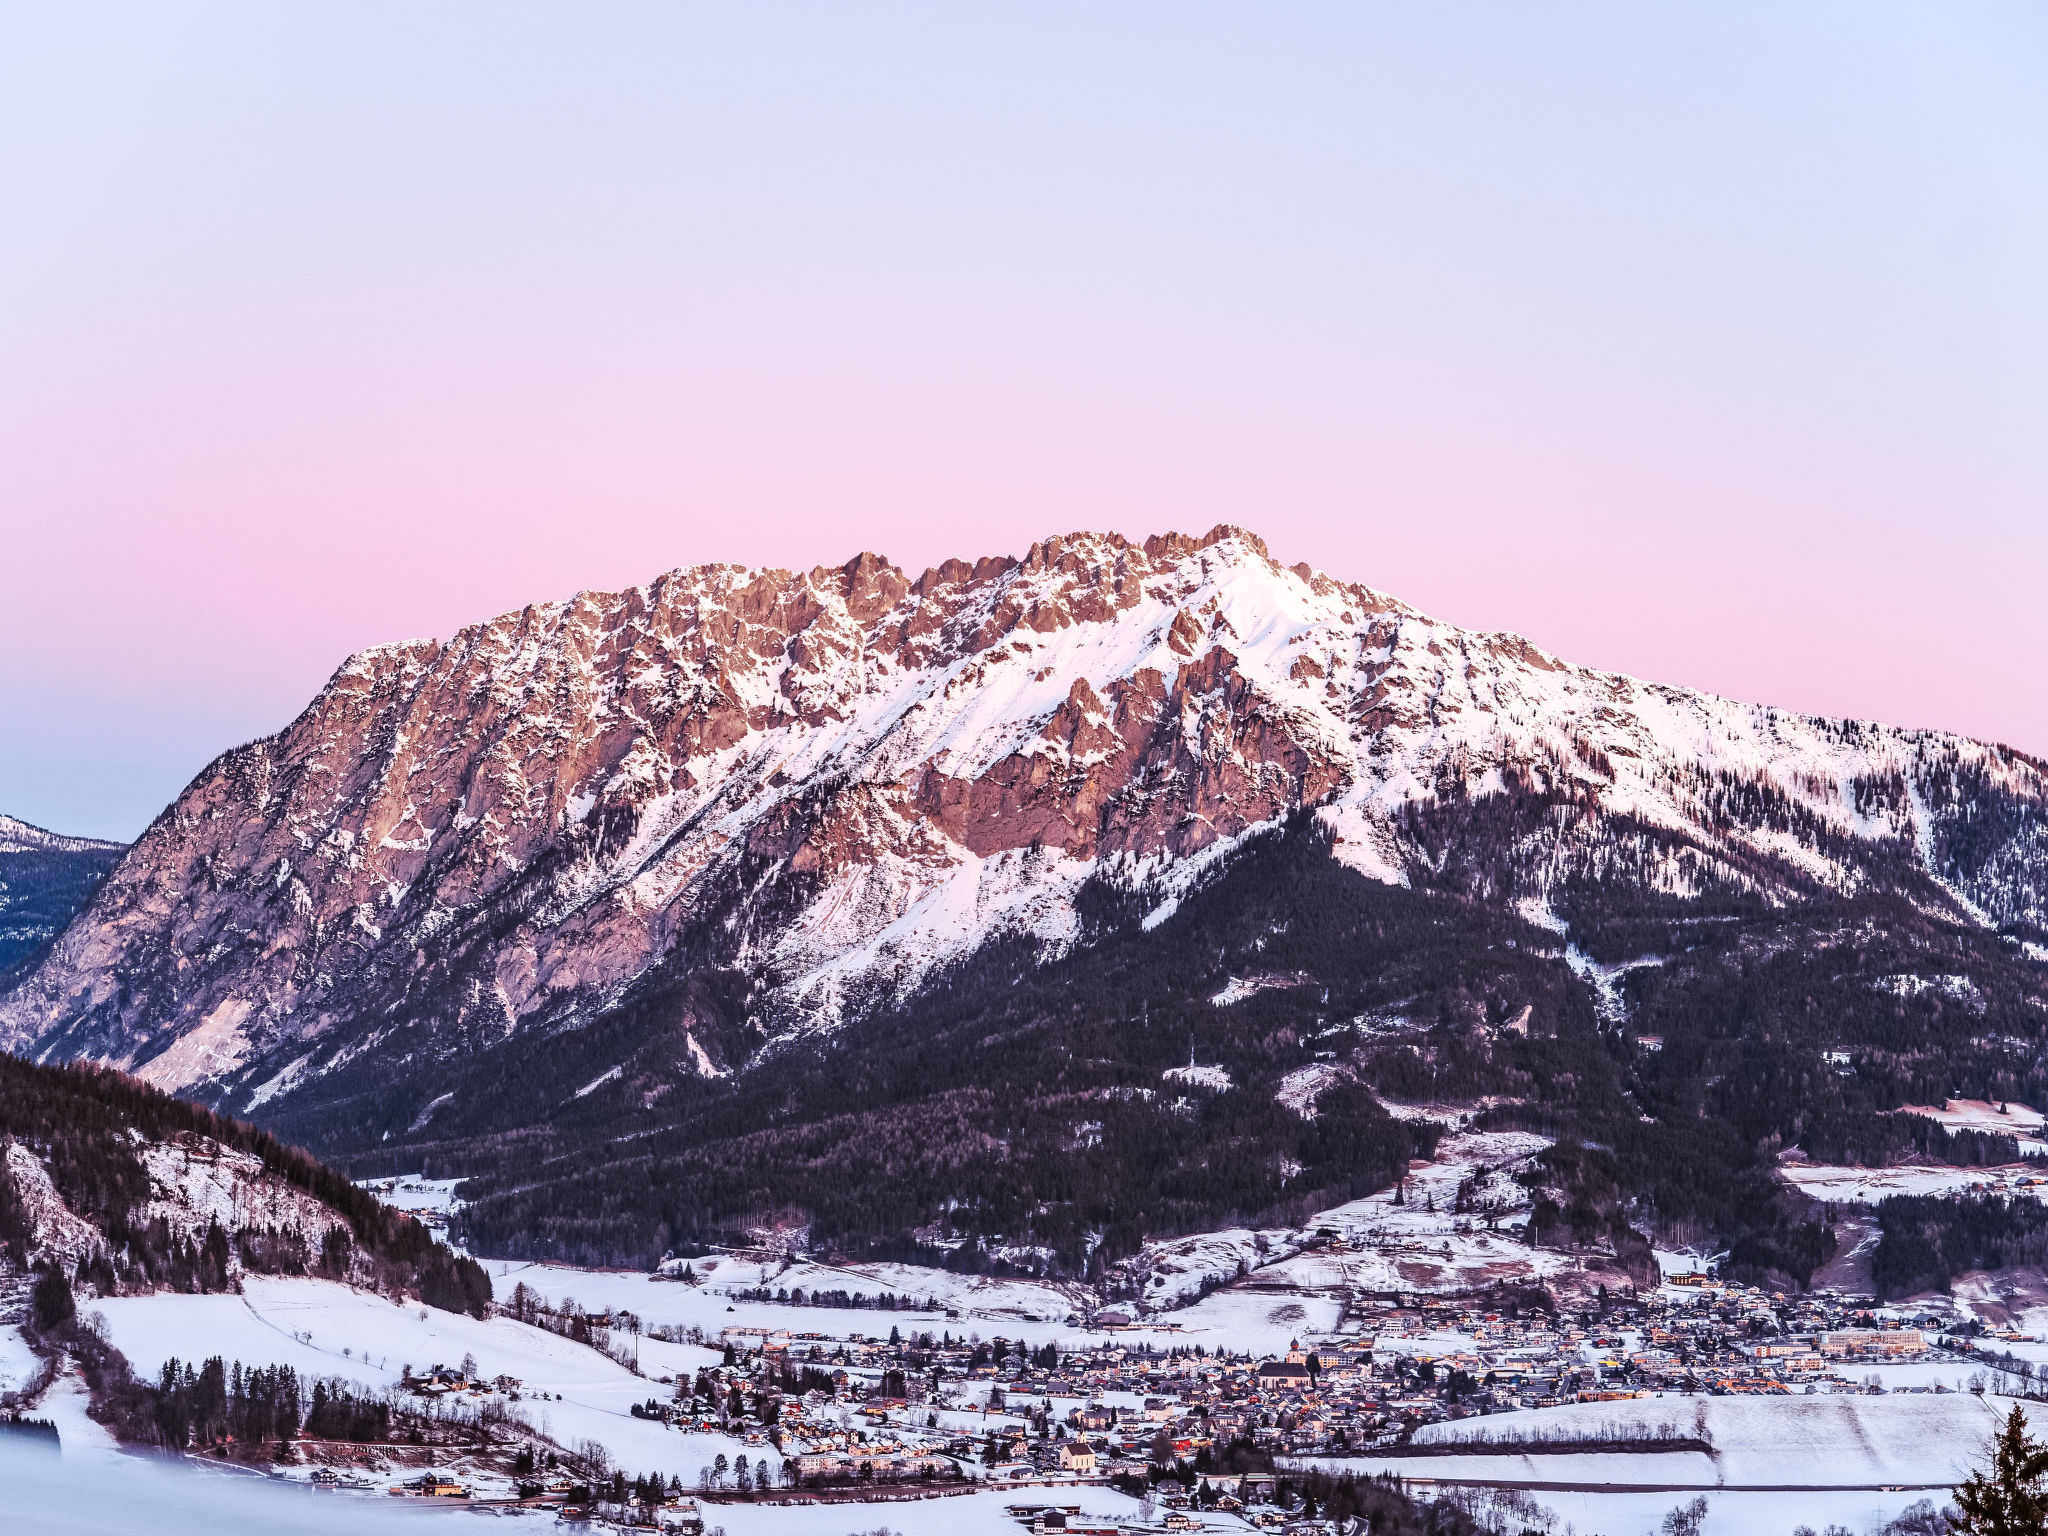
(2009, 1499)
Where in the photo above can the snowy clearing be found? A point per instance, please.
(1300, 1088)
(409, 1192)
(18, 1363)
(319, 1328)
(1867, 1186)
(134, 1494)
(1730, 1514)
(1014, 1308)
(1827, 1440)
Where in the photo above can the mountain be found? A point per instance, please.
(44, 879)
(881, 908)
(125, 1189)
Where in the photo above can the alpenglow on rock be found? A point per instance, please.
(789, 795)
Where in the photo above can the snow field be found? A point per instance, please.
(1729, 1514)
(18, 1363)
(1016, 1309)
(420, 1196)
(1796, 1441)
(138, 1496)
(976, 1514)
(84, 1440)
(365, 1339)
(1241, 1321)
(1680, 1263)
(1867, 1186)
(1982, 1115)
(719, 1275)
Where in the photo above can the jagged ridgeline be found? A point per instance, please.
(124, 1188)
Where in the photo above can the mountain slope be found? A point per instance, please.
(44, 879)
(816, 787)
(745, 879)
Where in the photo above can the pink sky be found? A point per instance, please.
(1710, 353)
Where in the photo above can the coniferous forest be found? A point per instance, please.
(1019, 1114)
(84, 1122)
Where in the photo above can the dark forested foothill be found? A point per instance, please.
(84, 1123)
(1019, 1113)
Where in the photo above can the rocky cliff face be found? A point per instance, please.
(786, 797)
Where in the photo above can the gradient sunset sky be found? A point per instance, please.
(1704, 343)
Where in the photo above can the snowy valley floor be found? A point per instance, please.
(1776, 1462)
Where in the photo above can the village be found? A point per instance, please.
(1195, 1432)
(1429, 1361)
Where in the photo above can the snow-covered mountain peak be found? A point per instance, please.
(823, 784)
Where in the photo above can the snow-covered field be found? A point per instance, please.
(84, 1440)
(129, 1495)
(1026, 1309)
(1730, 1514)
(1261, 1322)
(18, 1363)
(1821, 1441)
(323, 1329)
(421, 1196)
(1681, 1263)
(1867, 1186)
(2012, 1117)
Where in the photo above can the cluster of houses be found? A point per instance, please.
(919, 1408)
(447, 1381)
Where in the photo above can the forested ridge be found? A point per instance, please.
(84, 1123)
(1016, 1114)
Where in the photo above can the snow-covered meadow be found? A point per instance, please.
(1867, 1186)
(18, 1363)
(124, 1495)
(1829, 1439)
(1026, 1309)
(1736, 1513)
(568, 1391)
(1776, 1463)
(422, 1196)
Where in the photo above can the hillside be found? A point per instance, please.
(889, 909)
(44, 879)
(126, 1190)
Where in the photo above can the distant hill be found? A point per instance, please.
(44, 879)
(124, 1189)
